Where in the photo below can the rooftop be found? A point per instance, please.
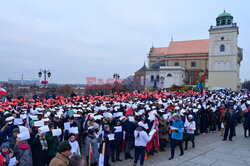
(182, 47)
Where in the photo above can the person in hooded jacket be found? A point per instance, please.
(190, 128)
(141, 140)
(52, 143)
(129, 128)
(91, 139)
(117, 144)
(108, 145)
(163, 130)
(177, 130)
(6, 152)
(23, 154)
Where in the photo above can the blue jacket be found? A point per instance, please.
(179, 134)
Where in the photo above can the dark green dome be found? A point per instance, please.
(225, 14)
(224, 19)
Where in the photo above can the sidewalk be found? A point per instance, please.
(209, 150)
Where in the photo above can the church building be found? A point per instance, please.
(181, 62)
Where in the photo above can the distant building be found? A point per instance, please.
(182, 61)
(24, 82)
(140, 77)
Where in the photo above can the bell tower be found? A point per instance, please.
(224, 54)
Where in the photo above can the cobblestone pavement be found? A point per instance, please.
(209, 150)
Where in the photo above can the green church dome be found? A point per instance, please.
(224, 19)
(225, 14)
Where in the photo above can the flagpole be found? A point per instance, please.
(103, 149)
(90, 151)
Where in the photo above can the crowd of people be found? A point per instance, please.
(104, 129)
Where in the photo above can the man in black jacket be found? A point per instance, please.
(230, 119)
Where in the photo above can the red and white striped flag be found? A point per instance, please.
(3, 92)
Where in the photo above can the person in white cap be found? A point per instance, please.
(141, 140)
(190, 127)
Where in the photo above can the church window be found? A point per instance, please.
(169, 75)
(222, 48)
(223, 22)
(222, 38)
(176, 63)
(157, 78)
(193, 64)
(152, 78)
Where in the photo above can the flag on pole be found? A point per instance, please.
(3, 92)
(90, 154)
(129, 111)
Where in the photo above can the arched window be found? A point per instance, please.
(222, 48)
(228, 21)
(157, 78)
(152, 78)
(169, 75)
(223, 22)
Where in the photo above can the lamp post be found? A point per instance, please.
(45, 73)
(116, 76)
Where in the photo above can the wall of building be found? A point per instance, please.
(224, 66)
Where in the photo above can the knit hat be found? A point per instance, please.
(5, 145)
(64, 146)
(72, 134)
(51, 125)
(15, 130)
(105, 127)
(95, 125)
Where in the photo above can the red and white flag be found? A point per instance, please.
(3, 92)
(129, 111)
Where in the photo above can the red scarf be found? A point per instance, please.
(24, 146)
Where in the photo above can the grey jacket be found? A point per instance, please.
(23, 156)
(94, 147)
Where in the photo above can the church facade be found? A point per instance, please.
(181, 62)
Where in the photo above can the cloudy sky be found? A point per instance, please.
(76, 39)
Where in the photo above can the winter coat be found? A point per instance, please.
(24, 156)
(229, 118)
(59, 160)
(108, 144)
(39, 155)
(246, 122)
(7, 133)
(129, 128)
(163, 129)
(75, 149)
(118, 137)
(52, 142)
(180, 127)
(94, 146)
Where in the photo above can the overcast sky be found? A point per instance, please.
(76, 39)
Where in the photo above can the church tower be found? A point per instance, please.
(224, 54)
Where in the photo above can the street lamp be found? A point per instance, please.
(44, 73)
(116, 76)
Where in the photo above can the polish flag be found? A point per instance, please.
(3, 92)
(90, 153)
(129, 111)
